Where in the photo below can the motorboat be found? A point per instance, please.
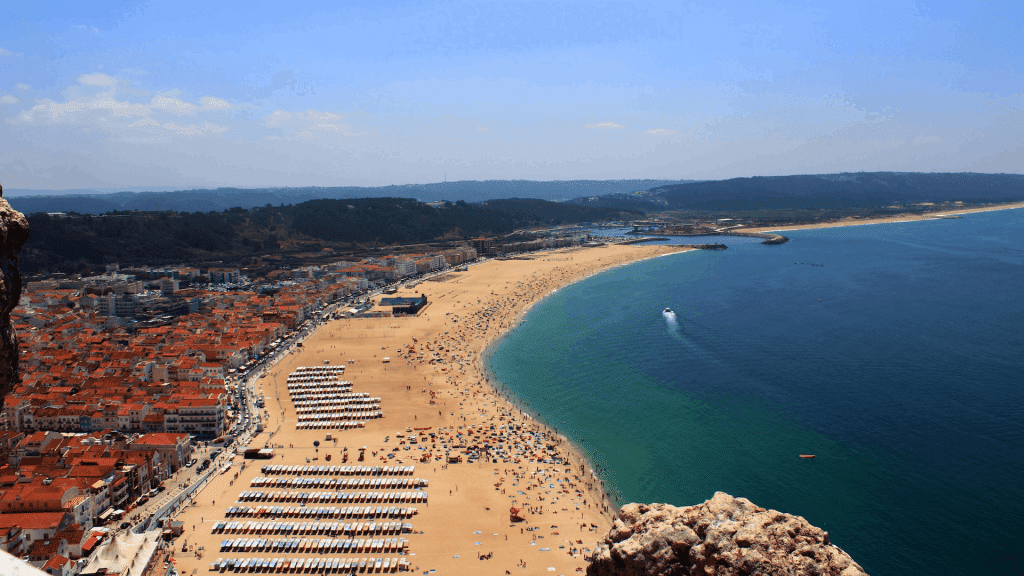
(668, 311)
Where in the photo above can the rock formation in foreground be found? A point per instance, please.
(13, 233)
(721, 537)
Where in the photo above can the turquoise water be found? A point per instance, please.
(893, 352)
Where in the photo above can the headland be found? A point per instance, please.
(905, 217)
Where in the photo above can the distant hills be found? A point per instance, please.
(262, 236)
(824, 191)
(801, 192)
(220, 199)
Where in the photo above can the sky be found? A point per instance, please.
(126, 94)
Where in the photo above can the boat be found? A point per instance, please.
(807, 455)
(668, 310)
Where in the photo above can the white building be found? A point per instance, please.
(405, 267)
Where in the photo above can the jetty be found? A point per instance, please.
(715, 246)
(768, 237)
(639, 240)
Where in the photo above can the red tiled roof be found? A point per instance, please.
(32, 520)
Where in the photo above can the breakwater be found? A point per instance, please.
(644, 239)
(715, 246)
(768, 237)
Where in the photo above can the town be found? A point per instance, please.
(133, 380)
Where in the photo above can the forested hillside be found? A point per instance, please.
(87, 242)
(820, 192)
(224, 198)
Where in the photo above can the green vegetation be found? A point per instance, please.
(224, 198)
(86, 242)
(824, 192)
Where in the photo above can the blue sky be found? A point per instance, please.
(111, 94)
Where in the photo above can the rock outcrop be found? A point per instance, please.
(721, 537)
(13, 233)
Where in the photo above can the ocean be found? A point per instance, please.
(893, 352)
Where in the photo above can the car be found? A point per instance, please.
(143, 500)
(125, 525)
(191, 463)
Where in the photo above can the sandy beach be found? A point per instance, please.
(433, 386)
(434, 381)
(897, 218)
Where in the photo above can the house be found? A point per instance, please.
(35, 526)
(174, 448)
(75, 535)
(58, 566)
(34, 445)
(42, 551)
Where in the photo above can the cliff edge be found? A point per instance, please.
(13, 233)
(721, 537)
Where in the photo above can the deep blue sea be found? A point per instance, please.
(893, 352)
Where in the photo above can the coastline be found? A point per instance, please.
(500, 388)
(467, 509)
(890, 220)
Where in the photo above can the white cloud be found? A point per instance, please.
(83, 111)
(8, 99)
(21, 86)
(304, 124)
(318, 115)
(659, 132)
(277, 117)
(142, 123)
(211, 103)
(97, 79)
(4, 52)
(172, 105)
(481, 129)
(605, 126)
(193, 129)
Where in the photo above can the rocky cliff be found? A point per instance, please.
(721, 537)
(13, 233)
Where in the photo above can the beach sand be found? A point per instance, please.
(467, 514)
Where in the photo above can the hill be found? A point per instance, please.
(87, 242)
(223, 198)
(818, 192)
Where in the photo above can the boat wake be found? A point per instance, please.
(671, 324)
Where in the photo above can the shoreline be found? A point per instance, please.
(506, 393)
(444, 351)
(890, 220)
